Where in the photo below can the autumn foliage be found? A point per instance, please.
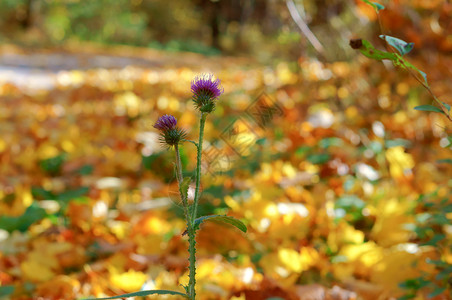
(344, 187)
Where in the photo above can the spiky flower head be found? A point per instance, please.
(170, 134)
(166, 122)
(206, 91)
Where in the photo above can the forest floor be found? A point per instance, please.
(328, 184)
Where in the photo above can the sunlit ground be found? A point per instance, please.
(344, 187)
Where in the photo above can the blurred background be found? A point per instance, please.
(344, 187)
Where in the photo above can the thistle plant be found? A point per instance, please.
(206, 91)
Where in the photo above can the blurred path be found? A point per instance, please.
(38, 71)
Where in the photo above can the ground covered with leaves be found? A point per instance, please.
(344, 187)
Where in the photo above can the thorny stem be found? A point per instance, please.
(441, 105)
(202, 122)
(191, 293)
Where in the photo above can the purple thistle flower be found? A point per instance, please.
(170, 134)
(205, 91)
(165, 123)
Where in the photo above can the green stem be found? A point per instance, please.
(193, 142)
(190, 229)
(202, 122)
(441, 105)
(192, 262)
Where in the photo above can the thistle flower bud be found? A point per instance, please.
(205, 92)
(170, 134)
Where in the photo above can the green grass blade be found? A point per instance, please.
(430, 108)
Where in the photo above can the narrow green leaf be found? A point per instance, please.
(379, 6)
(447, 106)
(444, 274)
(397, 142)
(85, 170)
(183, 188)
(437, 291)
(423, 76)
(402, 63)
(435, 240)
(41, 193)
(401, 46)
(369, 50)
(319, 158)
(375, 5)
(73, 194)
(32, 214)
(221, 218)
(429, 108)
(439, 263)
(142, 294)
(444, 161)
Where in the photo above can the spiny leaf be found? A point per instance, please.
(375, 5)
(142, 294)
(428, 108)
(401, 46)
(183, 188)
(221, 218)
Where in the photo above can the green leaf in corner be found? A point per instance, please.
(401, 46)
(221, 218)
(429, 108)
(183, 188)
(142, 294)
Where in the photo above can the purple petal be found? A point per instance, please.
(206, 85)
(165, 123)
